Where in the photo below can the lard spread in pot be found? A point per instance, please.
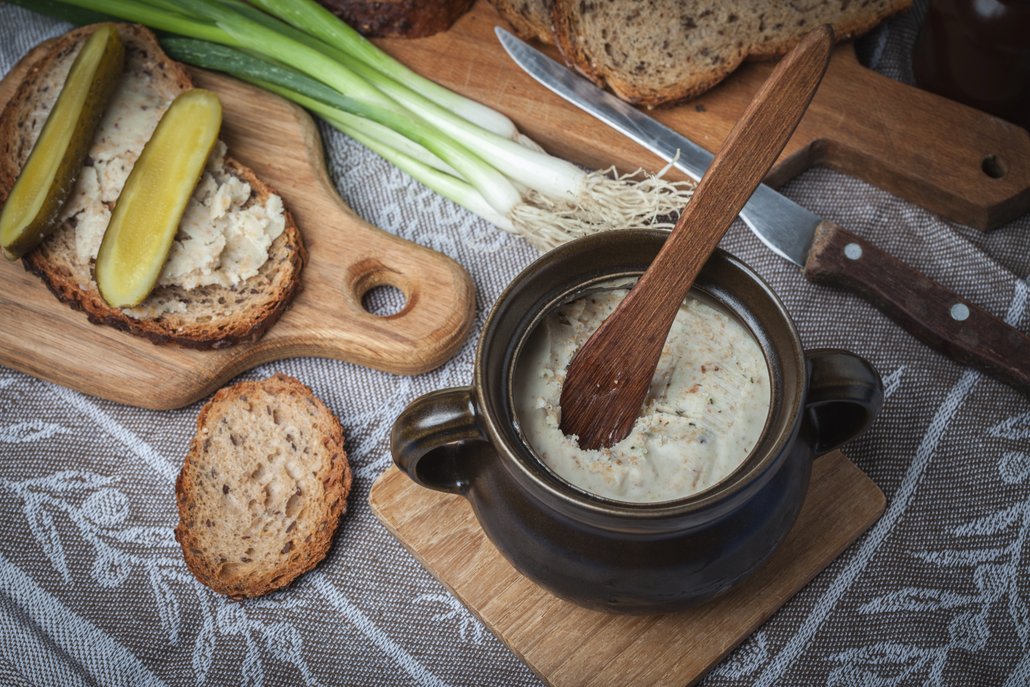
(703, 414)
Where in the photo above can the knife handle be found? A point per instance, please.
(939, 317)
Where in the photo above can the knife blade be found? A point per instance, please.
(767, 213)
(827, 253)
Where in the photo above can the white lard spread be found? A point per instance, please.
(221, 240)
(704, 413)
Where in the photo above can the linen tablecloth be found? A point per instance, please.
(93, 588)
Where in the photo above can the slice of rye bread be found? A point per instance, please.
(262, 488)
(656, 52)
(400, 18)
(212, 316)
(531, 19)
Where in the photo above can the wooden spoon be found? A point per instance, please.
(609, 376)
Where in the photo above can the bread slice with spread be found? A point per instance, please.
(655, 52)
(236, 260)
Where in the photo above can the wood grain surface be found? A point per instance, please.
(347, 257)
(571, 646)
(932, 151)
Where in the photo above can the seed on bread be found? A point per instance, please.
(655, 52)
(262, 488)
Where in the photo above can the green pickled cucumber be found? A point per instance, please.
(53, 166)
(146, 215)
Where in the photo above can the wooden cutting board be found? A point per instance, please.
(347, 257)
(569, 646)
(965, 165)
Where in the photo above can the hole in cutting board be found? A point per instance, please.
(383, 300)
(993, 166)
(381, 291)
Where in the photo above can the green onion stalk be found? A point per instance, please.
(325, 26)
(457, 147)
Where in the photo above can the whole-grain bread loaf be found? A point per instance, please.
(207, 316)
(401, 18)
(531, 19)
(262, 488)
(653, 52)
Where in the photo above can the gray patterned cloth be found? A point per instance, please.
(93, 588)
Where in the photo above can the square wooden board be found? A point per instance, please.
(570, 646)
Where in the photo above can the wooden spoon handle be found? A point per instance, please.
(748, 152)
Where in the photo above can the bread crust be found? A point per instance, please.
(567, 35)
(399, 18)
(286, 254)
(336, 478)
(530, 19)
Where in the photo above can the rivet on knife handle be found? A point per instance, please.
(929, 311)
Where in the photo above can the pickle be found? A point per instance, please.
(146, 215)
(53, 166)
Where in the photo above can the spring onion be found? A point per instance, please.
(402, 152)
(494, 187)
(458, 148)
(539, 171)
(414, 164)
(324, 25)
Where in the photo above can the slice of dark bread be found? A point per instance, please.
(208, 316)
(401, 18)
(262, 488)
(531, 19)
(654, 52)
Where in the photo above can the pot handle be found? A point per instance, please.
(845, 395)
(427, 437)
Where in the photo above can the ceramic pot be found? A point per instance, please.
(620, 556)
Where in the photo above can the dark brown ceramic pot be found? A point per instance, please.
(627, 556)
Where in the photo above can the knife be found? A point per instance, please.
(827, 253)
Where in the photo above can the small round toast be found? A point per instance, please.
(262, 488)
